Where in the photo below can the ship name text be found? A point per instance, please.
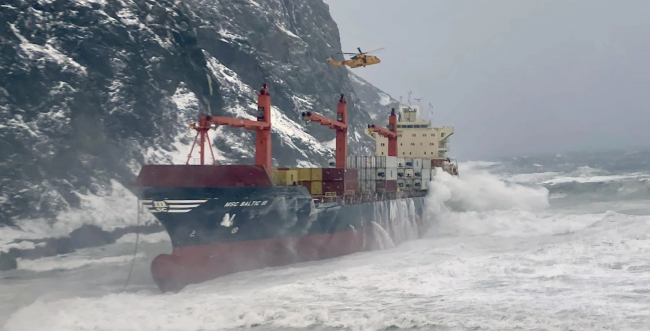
(245, 203)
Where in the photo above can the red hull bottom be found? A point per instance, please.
(196, 264)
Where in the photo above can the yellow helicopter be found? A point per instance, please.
(358, 60)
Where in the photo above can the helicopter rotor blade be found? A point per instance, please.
(378, 49)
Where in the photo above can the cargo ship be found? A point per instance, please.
(224, 219)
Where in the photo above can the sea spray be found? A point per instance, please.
(479, 203)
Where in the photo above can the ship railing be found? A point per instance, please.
(194, 161)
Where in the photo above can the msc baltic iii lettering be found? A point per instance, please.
(224, 219)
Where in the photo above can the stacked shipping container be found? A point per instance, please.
(364, 174)
(414, 174)
(376, 173)
(327, 181)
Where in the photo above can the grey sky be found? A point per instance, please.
(513, 76)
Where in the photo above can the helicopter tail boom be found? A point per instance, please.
(334, 63)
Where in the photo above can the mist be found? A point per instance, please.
(512, 77)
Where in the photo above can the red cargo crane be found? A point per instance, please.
(262, 127)
(341, 127)
(390, 133)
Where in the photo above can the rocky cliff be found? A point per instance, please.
(92, 89)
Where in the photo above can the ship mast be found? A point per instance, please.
(262, 129)
(341, 127)
(390, 133)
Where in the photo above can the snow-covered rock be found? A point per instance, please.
(92, 89)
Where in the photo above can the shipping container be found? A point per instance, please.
(372, 161)
(380, 162)
(351, 188)
(400, 173)
(368, 186)
(350, 162)
(408, 184)
(338, 174)
(400, 162)
(425, 185)
(401, 184)
(417, 184)
(391, 174)
(408, 173)
(371, 174)
(359, 161)
(417, 163)
(340, 188)
(367, 162)
(426, 174)
(391, 162)
(316, 188)
(417, 173)
(386, 174)
(316, 174)
(408, 162)
(331, 163)
(386, 185)
(304, 174)
(287, 177)
(362, 175)
(351, 175)
(426, 164)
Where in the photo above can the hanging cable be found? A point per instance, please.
(137, 240)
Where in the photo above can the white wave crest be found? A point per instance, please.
(477, 190)
(479, 203)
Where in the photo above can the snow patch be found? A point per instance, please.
(41, 54)
(115, 207)
(286, 31)
(384, 99)
(240, 100)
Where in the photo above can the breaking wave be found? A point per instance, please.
(479, 203)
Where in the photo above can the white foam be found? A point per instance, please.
(68, 262)
(478, 190)
(425, 283)
(146, 238)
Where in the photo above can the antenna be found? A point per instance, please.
(418, 109)
(418, 101)
(430, 111)
(409, 100)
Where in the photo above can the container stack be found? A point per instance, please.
(376, 173)
(311, 178)
(337, 181)
(386, 174)
(427, 174)
(413, 174)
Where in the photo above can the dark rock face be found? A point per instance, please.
(91, 90)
